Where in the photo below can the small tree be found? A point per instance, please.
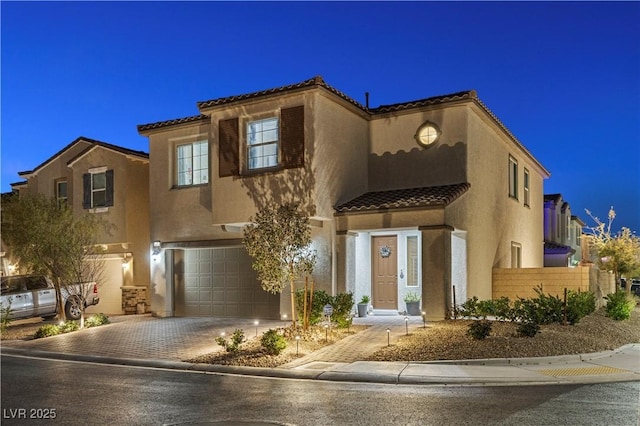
(278, 239)
(46, 238)
(616, 252)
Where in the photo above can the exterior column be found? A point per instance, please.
(436, 271)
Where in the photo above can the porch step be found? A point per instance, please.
(384, 313)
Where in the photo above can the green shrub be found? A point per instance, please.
(502, 309)
(479, 330)
(469, 308)
(234, 344)
(273, 342)
(5, 313)
(579, 305)
(619, 305)
(46, 331)
(69, 326)
(96, 320)
(342, 305)
(320, 298)
(528, 329)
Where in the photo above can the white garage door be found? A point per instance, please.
(221, 283)
(109, 289)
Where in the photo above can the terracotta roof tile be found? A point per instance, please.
(316, 81)
(151, 126)
(469, 94)
(551, 247)
(405, 198)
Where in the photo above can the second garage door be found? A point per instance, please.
(221, 283)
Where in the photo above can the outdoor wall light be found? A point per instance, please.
(156, 248)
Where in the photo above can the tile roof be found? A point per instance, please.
(554, 248)
(151, 126)
(92, 143)
(430, 196)
(316, 81)
(469, 94)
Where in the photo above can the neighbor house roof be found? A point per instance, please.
(144, 127)
(430, 196)
(554, 248)
(91, 143)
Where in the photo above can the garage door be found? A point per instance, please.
(221, 283)
(109, 289)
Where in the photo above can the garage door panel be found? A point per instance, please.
(220, 282)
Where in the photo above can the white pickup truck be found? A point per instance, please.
(35, 296)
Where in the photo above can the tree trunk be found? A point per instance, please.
(305, 320)
(293, 303)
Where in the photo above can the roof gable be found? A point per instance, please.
(90, 144)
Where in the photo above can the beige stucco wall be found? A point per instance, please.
(491, 218)
(522, 282)
(397, 161)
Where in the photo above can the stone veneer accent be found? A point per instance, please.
(131, 296)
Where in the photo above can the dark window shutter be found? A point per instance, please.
(109, 189)
(86, 191)
(292, 136)
(228, 147)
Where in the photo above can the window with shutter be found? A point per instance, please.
(97, 188)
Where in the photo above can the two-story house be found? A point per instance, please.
(425, 196)
(562, 233)
(96, 177)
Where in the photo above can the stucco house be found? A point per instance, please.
(562, 233)
(426, 196)
(100, 178)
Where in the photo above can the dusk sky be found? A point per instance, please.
(563, 77)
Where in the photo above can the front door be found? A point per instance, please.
(384, 271)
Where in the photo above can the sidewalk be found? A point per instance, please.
(165, 342)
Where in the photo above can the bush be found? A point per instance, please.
(234, 344)
(69, 326)
(320, 298)
(579, 305)
(528, 329)
(342, 304)
(469, 308)
(479, 330)
(46, 331)
(96, 320)
(5, 312)
(619, 305)
(273, 342)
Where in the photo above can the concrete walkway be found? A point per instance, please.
(166, 342)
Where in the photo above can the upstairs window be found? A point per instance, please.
(97, 188)
(61, 192)
(262, 144)
(513, 178)
(526, 188)
(192, 163)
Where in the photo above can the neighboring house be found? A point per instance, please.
(562, 233)
(99, 178)
(425, 196)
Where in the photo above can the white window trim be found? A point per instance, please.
(277, 142)
(513, 177)
(184, 142)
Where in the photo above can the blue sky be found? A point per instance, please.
(563, 77)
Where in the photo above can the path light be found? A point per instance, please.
(388, 334)
(297, 344)
(406, 324)
(256, 323)
(424, 319)
(284, 318)
(326, 333)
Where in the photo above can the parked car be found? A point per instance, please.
(635, 285)
(29, 296)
